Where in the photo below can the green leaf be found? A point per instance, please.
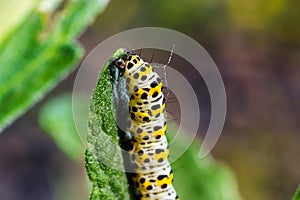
(34, 58)
(103, 161)
(297, 194)
(56, 119)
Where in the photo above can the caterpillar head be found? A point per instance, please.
(127, 62)
(119, 63)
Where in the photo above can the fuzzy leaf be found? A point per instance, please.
(104, 162)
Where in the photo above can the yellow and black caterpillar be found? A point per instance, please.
(147, 125)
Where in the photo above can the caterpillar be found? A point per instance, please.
(146, 124)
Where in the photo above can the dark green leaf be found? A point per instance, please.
(104, 162)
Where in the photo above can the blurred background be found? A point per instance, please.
(256, 46)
